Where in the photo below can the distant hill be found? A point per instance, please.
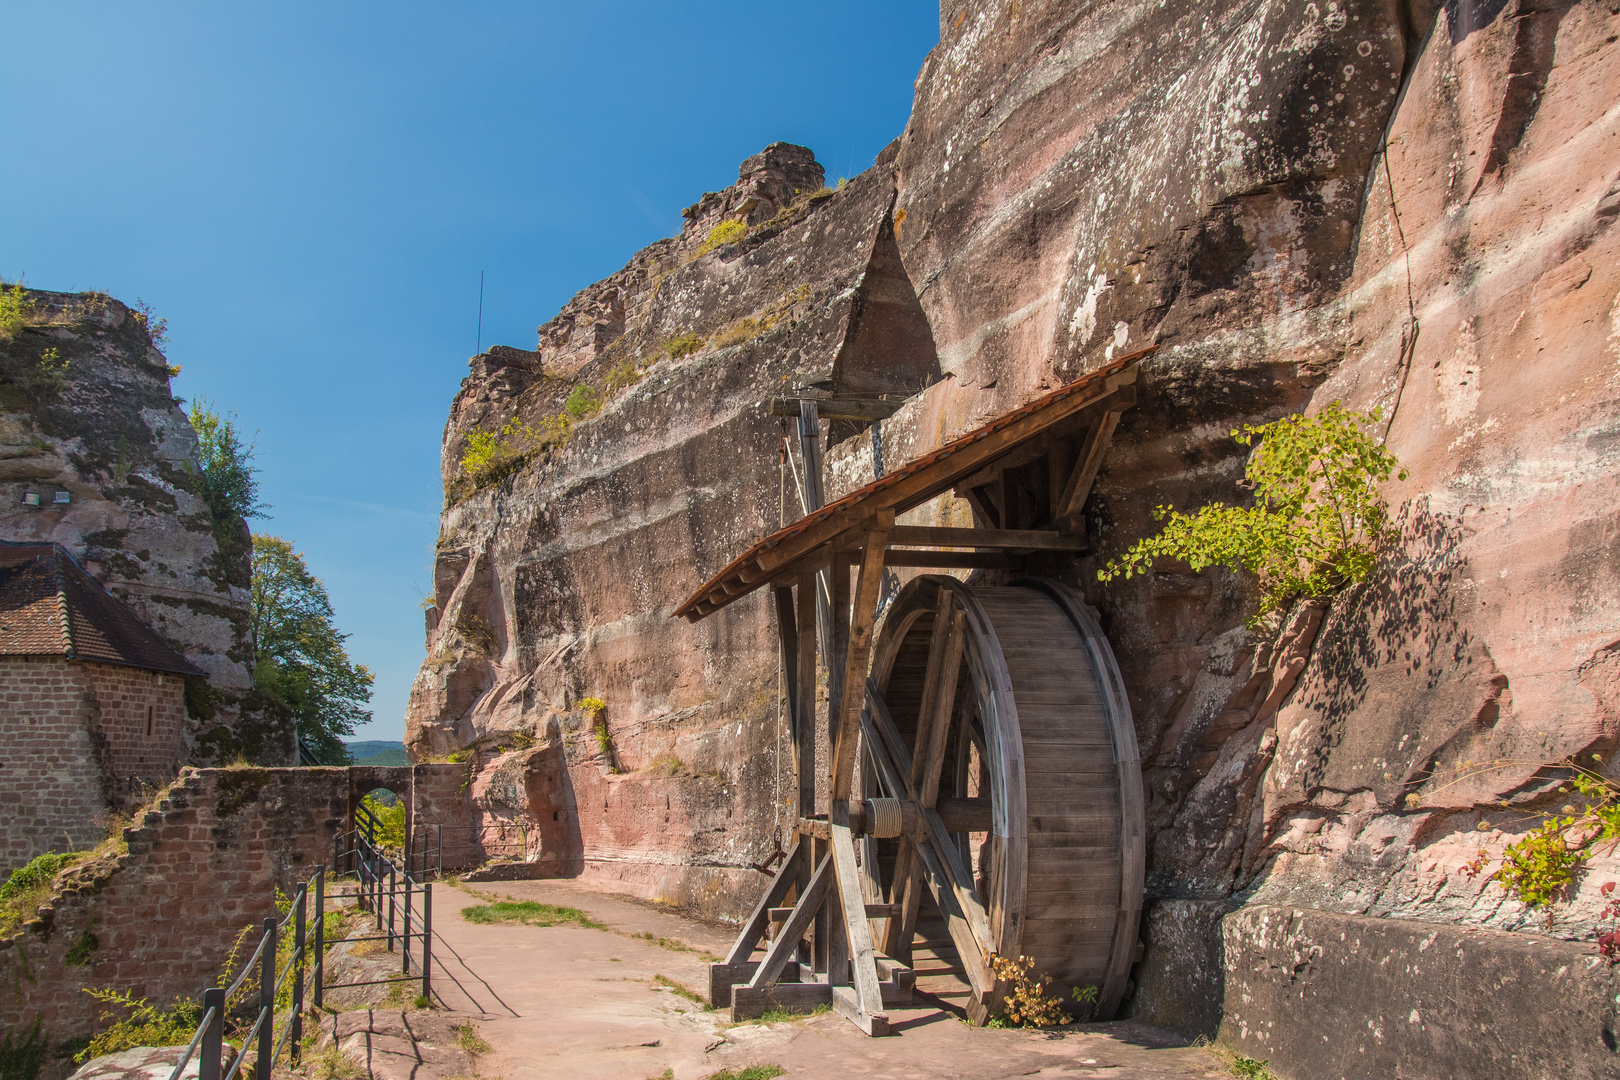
(378, 752)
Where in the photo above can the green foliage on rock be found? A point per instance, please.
(727, 232)
(582, 402)
(140, 1024)
(226, 478)
(301, 661)
(1537, 869)
(23, 1051)
(1317, 521)
(15, 309)
(683, 345)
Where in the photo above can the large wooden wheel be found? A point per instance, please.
(1011, 710)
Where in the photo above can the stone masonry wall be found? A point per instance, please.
(45, 726)
(79, 748)
(140, 721)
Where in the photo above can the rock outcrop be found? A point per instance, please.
(1401, 206)
(91, 430)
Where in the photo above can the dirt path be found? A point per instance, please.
(565, 1001)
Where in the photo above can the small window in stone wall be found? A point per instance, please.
(150, 718)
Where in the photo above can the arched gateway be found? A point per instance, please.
(983, 752)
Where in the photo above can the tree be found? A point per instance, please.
(226, 478)
(301, 659)
(1317, 520)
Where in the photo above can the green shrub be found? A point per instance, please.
(582, 402)
(390, 822)
(16, 310)
(1317, 520)
(144, 1025)
(30, 886)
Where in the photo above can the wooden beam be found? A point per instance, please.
(837, 408)
(804, 711)
(862, 617)
(1091, 456)
(787, 941)
(935, 536)
(966, 815)
(857, 930)
(754, 929)
(982, 510)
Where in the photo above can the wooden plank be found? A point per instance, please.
(847, 1004)
(834, 658)
(1020, 539)
(787, 941)
(862, 616)
(804, 712)
(837, 408)
(722, 977)
(751, 1002)
(787, 637)
(858, 932)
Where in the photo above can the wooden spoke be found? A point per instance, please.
(787, 939)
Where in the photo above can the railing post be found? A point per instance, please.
(213, 1035)
(300, 929)
(393, 887)
(427, 941)
(376, 884)
(441, 852)
(320, 936)
(267, 1003)
(405, 933)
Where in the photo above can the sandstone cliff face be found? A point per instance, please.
(1401, 206)
(86, 410)
(555, 583)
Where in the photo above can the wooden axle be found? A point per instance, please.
(957, 815)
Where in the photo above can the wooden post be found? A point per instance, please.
(862, 617)
(804, 708)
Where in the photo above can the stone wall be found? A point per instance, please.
(159, 920)
(140, 720)
(79, 747)
(52, 793)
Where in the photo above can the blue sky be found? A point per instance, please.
(308, 192)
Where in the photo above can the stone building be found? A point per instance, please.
(92, 704)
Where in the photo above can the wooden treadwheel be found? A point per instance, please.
(1012, 714)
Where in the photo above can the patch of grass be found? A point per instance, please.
(621, 376)
(675, 945)
(1245, 1068)
(530, 913)
(681, 990)
(331, 1064)
(727, 232)
(468, 1039)
(666, 765)
(83, 947)
(30, 886)
(682, 345)
(752, 1072)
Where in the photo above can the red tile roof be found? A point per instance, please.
(49, 606)
(853, 508)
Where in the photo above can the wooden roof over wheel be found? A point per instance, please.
(1066, 431)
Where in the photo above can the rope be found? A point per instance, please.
(886, 821)
(1409, 332)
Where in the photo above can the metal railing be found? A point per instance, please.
(451, 849)
(401, 904)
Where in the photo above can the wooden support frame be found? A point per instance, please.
(824, 950)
